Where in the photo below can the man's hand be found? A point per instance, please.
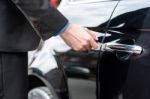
(79, 39)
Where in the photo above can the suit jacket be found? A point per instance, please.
(24, 22)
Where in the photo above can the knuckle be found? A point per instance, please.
(87, 40)
(91, 38)
(76, 49)
(81, 47)
(85, 44)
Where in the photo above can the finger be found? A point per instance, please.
(91, 33)
(81, 49)
(87, 46)
(79, 46)
(93, 43)
(86, 29)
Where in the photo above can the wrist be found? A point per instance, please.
(63, 29)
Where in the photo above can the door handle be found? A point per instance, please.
(117, 47)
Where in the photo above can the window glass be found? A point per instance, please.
(87, 1)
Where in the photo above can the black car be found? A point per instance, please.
(118, 69)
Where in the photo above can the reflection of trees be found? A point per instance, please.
(58, 1)
(55, 3)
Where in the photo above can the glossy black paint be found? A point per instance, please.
(80, 65)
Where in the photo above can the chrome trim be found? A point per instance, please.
(113, 47)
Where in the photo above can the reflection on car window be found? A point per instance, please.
(87, 1)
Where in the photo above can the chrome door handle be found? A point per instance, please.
(113, 47)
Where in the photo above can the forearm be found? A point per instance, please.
(46, 19)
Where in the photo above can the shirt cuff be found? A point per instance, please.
(62, 29)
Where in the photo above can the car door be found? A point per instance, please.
(81, 67)
(124, 67)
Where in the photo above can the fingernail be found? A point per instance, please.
(96, 38)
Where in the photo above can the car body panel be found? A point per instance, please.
(128, 79)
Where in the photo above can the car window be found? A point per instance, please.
(91, 12)
(86, 1)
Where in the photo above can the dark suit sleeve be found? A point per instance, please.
(43, 17)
